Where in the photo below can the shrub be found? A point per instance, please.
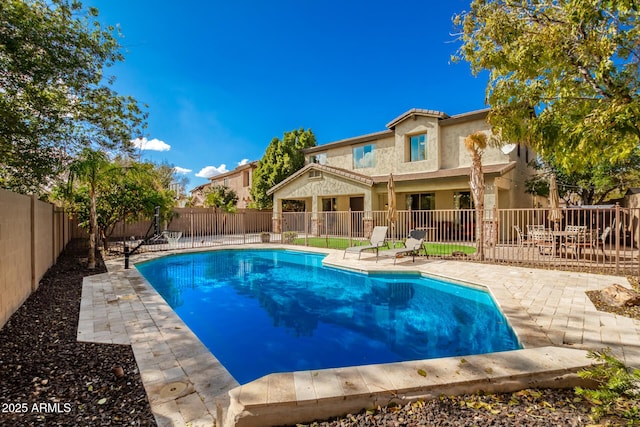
(618, 388)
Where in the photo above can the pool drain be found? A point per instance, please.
(173, 389)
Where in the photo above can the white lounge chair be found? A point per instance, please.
(412, 247)
(377, 239)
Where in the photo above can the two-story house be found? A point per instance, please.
(238, 180)
(425, 152)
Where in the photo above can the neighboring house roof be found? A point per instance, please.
(500, 169)
(235, 171)
(364, 179)
(199, 188)
(632, 190)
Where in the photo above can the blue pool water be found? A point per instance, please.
(265, 311)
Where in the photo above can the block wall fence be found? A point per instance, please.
(32, 236)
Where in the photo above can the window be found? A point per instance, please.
(364, 156)
(315, 174)
(245, 179)
(226, 182)
(463, 200)
(329, 205)
(418, 147)
(320, 158)
(422, 202)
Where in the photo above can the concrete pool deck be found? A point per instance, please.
(186, 385)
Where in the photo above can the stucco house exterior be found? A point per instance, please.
(238, 180)
(425, 152)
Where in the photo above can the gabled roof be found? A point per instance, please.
(364, 179)
(416, 112)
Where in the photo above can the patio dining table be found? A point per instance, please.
(561, 236)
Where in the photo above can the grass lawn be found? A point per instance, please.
(441, 249)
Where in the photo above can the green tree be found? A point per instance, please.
(131, 191)
(282, 158)
(592, 185)
(221, 196)
(88, 169)
(55, 97)
(124, 190)
(562, 74)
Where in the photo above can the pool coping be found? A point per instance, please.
(186, 384)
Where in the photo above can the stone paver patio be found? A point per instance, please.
(186, 385)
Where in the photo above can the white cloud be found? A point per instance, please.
(153, 145)
(243, 162)
(211, 171)
(182, 171)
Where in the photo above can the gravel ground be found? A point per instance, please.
(50, 379)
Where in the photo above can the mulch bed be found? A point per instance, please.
(48, 378)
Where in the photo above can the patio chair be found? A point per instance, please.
(377, 239)
(587, 239)
(544, 240)
(411, 247)
(522, 239)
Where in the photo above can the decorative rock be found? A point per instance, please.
(619, 296)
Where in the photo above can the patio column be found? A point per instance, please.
(315, 217)
(367, 217)
(276, 218)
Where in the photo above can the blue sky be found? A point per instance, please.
(221, 79)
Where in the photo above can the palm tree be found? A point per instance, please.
(87, 169)
(476, 144)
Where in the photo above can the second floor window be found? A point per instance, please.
(418, 147)
(364, 156)
(320, 158)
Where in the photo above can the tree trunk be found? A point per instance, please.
(477, 188)
(93, 227)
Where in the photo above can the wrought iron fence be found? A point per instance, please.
(585, 239)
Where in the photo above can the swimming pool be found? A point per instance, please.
(265, 311)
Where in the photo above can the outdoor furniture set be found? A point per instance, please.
(574, 239)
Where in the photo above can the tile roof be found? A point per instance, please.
(500, 169)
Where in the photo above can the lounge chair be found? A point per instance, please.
(377, 239)
(411, 247)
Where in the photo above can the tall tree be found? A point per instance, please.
(55, 97)
(589, 186)
(476, 143)
(125, 190)
(88, 169)
(281, 159)
(563, 74)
